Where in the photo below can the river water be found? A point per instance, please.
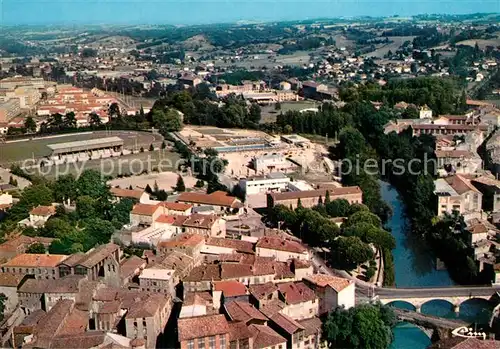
(415, 267)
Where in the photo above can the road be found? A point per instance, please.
(365, 289)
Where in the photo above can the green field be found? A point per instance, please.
(164, 160)
(269, 113)
(37, 148)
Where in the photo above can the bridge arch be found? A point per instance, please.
(439, 307)
(402, 304)
(476, 308)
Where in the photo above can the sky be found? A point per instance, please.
(14, 12)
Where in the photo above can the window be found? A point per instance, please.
(222, 341)
(244, 343)
(233, 345)
(201, 343)
(211, 342)
(190, 344)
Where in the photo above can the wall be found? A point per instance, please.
(12, 299)
(347, 296)
(303, 310)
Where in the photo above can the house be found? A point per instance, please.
(288, 328)
(202, 331)
(38, 216)
(187, 243)
(147, 319)
(300, 302)
(229, 291)
(158, 280)
(332, 291)
(41, 266)
(181, 263)
(189, 80)
(245, 312)
(220, 200)
(138, 195)
(425, 112)
(217, 246)
(130, 269)
(311, 198)
(265, 337)
(205, 225)
(240, 336)
(199, 304)
(456, 193)
(281, 249)
(312, 333)
(100, 263)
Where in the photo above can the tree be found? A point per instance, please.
(114, 111)
(36, 248)
(92, 184)
(365, 326)
(348, 252)
(363, 217)
(85, 207)
(69, 120)
(65, 188)
(30, 125)
(148, 189)
(277, 106)
(13, 181)
(199, 183)
(163, 145)
(299, 203)
(327, 198)
(151, 147)
(180, 187)
(95, 120)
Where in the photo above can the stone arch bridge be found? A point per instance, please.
(419, 296)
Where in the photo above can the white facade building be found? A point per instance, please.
(272, 182)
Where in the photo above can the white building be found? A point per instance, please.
(425, 112)
(271, 182)
(281, 249)
(332, 291)
(269, 162)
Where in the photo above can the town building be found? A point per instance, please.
(100, 263)
(202, 331)
(269, 163)
(272, 182)
(311, 198)
(332, 291)
(41, 266)
(38, 216)
(222, 202)
(457, 194)
(138, 195)
(18, 245)
(281, 249)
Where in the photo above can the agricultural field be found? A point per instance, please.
(17, 151)
(268, 112)
(382, 49)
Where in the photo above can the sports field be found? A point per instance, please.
(133, 164)
(17, 151)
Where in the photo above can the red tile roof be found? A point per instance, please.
(166, 219)
(230, 288)
(176, 206)
(218, 198)
(334, 193)
(43, 211)
(202, 326)
(238, 245)
(35, 260)
(276, 243)
(144, 209)
(126, 193)
(242, 311)
(265, 337)
(321, 280)
(286, 323)
(296, 292)
(465, 343)
(185, 239)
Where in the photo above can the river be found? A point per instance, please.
(415, 267)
